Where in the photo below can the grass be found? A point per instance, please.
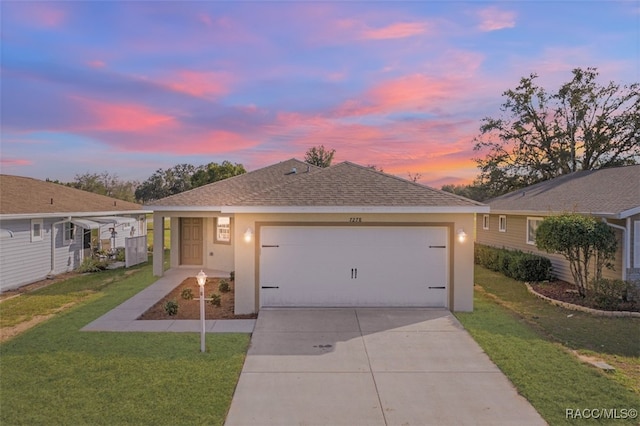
(56, 374)
(51, 299)
(529, 340)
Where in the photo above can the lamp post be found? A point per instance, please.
(202, 279)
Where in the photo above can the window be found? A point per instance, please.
(36, 230)
(532, 227)
(485, 221)
(223, 230)
(69, 232)
(502, 223)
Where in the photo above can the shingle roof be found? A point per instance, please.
(610, 192)
(229, 191)
(345, 184)
(24, 195)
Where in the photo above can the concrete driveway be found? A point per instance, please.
(371, 367)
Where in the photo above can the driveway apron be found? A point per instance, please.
(371, 367)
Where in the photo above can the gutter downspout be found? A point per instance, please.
(626, 259)
(53, 243)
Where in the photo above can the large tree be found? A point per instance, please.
(164, 183)
(105, 183)
(183, 177)
(582, 126)
(319, 156)
(214, 172)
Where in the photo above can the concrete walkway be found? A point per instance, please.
(371, 367)
(124, 317)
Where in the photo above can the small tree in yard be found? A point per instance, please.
(580, 239)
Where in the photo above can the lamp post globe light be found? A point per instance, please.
(202, 279)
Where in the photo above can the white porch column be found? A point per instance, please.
(158, 244)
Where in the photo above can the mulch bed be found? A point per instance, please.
(190, 309)
(566, 292)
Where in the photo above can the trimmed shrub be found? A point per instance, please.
(171, 307)
(514, 263)
(216, 300)
(613, 294)
(120, 254)
(187, 294)
(224, 286)
(90, 264)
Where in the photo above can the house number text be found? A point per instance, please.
(355, 219)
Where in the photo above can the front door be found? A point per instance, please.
(191, 241)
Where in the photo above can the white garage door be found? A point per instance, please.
(353, 266)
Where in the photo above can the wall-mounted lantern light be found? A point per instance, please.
(248, 234)
(462, 236)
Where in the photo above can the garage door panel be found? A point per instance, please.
(346, 266)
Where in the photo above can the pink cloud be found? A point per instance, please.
(432, 148)
(182, 141)
(96, 63)
(121, 117)
(417, 92)
(492, 19)
(397, 30)
(200, 84)
(46, 15)
(9, 162)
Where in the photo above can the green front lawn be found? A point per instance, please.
(530, 341)
(56, 374)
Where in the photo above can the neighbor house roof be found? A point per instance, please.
(277, 188)
(27, 196)
(612, 192)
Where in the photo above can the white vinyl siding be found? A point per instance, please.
(23, 261)
(532, 227)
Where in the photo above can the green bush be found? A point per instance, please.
(514, 263)
(187, 294)
(171, 307)
(224, 286)
(120, 254)
(216, 300)
(89, 264)
(613, 294)
(232, 276)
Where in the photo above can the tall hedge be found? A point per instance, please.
(514, 264)
(581, 240)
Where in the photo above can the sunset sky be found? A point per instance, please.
(130, 87)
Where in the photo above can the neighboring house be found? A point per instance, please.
(48, 228)
(346, 235)
(612, 195)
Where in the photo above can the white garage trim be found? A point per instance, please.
(419, 266)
